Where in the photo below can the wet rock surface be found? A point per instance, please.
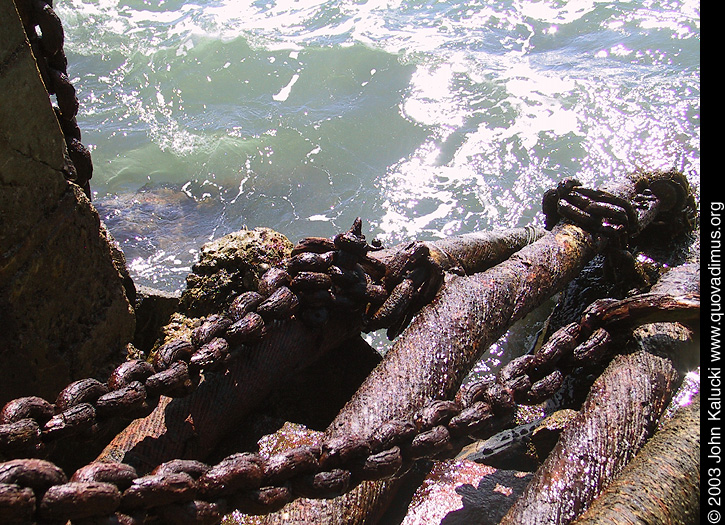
(230, 265)
(64, 309)
(461, 492)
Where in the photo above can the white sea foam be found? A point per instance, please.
(428, 118)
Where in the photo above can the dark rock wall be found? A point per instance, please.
(64, 313)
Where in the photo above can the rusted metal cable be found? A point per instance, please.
(623, 407)
(320, 276)
(662, 483)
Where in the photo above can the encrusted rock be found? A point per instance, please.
(229, 266)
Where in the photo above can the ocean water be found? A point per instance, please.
(425, 118)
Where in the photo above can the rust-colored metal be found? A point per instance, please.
(473, 252)
(435, 352)
(439, 347)
(619, 415)
(191, 427)
(448, 337)
(662, 483)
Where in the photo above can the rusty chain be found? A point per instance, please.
(194, 492)
(320, 276)
(602, 212)
(45, 33)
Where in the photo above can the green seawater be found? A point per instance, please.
(425, 118)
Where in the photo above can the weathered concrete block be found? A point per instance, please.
(63, 309)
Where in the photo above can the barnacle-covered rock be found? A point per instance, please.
(229, 266)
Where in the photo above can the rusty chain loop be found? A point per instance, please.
(45, 33)
(190, 491)
(597, 211)
(321, 276)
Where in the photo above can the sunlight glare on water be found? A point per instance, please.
(427, 119)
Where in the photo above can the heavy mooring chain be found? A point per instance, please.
(321, 276)
(597, 211)
(602, 212)
(189, 491)
(39, 16)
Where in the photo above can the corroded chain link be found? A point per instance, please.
(602, 212)
(45, 34)
(320, 276)
(194, 492)
(597, 211)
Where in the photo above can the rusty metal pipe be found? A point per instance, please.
(479, 251)
(618, 416)
(433, 355)
(473, 252)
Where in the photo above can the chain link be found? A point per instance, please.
(39, 16)
(320, 277)
(195, 492)
(602, 212)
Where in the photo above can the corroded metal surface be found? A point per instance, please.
(662, 483)
(359, 445)
(180, 426)
(192, 426)
(435, 352)
(475, 252)
(429, 360)
(618, 416)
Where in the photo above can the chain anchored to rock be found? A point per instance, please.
(189, 491)
(321, 278)
(53, 66)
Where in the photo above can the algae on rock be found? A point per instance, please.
(229, 266)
